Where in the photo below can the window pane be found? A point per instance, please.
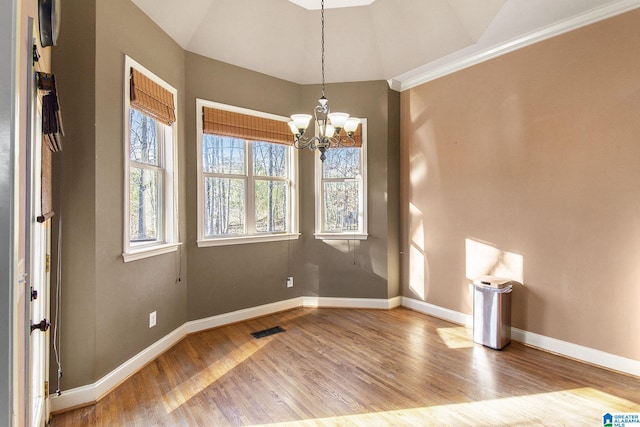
(341, 163)
(221, 154)
(143, 138)
(340, 206)
(269, 159)
(144, 204)
(271, 206)
(224, 200)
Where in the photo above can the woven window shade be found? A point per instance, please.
(151, 98)
(237, 125)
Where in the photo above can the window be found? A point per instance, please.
(247, 168)
(341, 191)
(150, 168)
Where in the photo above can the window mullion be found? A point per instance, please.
(223, 175)
(291, 203)
(250, 213)
(134, 164)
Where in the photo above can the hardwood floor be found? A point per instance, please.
(357, 368)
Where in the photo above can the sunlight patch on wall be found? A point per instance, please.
(417, 226)
(417, 262)
(484, 259)
(417, 257)
(418, 170)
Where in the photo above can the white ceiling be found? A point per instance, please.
(403, 41)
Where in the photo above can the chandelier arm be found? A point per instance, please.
(304, 142)
(349, 141)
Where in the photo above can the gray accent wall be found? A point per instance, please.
(107, 302)
(126, 293)
(228, 278)
(74, 66)
(393, 195)
(353, 268)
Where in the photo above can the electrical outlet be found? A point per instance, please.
(290, 282)
(152, 319)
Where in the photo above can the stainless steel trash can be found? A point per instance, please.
(492, 311)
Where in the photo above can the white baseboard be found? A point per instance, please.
(327, 302)
(579, 352)
(437, 311)
(564, 348)
(90, 393)
(240, 315)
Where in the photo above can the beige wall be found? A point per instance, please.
(528, 166)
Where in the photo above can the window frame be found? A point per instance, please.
(168, 240)
(361, 234)
(250, 236)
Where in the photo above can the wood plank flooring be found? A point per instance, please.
(340, 367)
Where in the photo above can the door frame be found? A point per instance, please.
(9, 213)
(37, 243)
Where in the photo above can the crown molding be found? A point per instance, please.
(426, 74)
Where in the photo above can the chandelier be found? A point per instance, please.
(329, 125)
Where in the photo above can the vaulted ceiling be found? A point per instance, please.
(396, 40)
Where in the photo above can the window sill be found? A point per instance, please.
(224, 241)
(141, 253)
(341, 236)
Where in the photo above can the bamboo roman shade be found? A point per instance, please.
(237, 125)
(151, 98)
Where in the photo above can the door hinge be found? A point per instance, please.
(47, 264)
(42, 326)
(46, 389)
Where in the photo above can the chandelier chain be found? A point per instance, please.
(328, 125)
(322, 41)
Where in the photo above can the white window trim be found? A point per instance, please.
(346, 235)
(203, 241)
(169, 242)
